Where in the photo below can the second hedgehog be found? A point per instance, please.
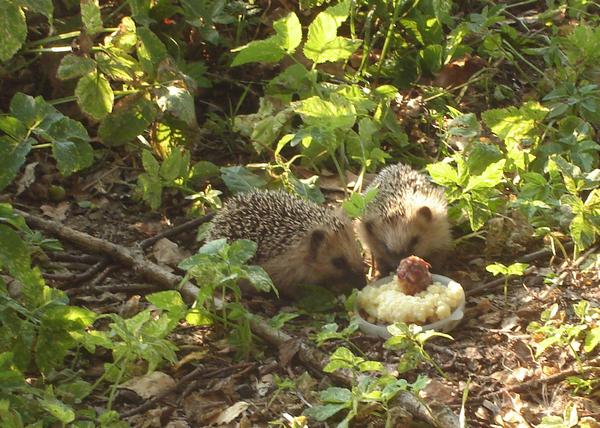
(407, 217)
(299, 242)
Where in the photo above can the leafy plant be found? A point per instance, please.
(410, 339)
(367, 390)
(220, 267)
(471, 183)
(555, 331)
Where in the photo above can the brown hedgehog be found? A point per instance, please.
(299, 242)
(408, 216)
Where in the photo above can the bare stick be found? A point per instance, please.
(176, 230)
(118, 253)
(592, 366)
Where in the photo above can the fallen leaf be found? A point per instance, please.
(27, 179)
(231, 413)
(58, 213)
(438, 391)
(167, 252)
(150, 385)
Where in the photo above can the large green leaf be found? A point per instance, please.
(72, 66)
(240, 179)
(151, 51)
(12, 157)
(90, 15)
(323, 43)
(13, 29)
(179, 102)
(338, 113)
(45, 7)
(72, 156)
(94, 95)
(287, 38)
(127, 120)
(31, 111)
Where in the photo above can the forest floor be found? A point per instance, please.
(492, 355)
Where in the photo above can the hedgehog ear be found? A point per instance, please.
(317, 237)
(425, 213)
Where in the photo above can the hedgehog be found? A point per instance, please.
(408, 216)
(298, 242)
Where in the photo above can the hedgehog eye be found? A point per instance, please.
(369, 226)
(339, 262)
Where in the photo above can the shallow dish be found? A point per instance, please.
(445, 325)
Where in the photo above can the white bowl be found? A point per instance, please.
(446, 325)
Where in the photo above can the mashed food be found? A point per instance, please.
(387, 304)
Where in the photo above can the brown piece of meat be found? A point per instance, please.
(413, 275)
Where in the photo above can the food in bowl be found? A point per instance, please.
(410, 296)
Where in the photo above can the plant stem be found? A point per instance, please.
(388, 36)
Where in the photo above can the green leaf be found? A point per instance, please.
(13, 29)
(443, 173)
(267, 50)
(12, 157)
(287, 38)
(72, 156)
(336, 395)
(322, 413)
(151, 189)
(289, 31)
(90, 15)
(175, 166)
(241, 251)
(489, 178)
(151, 51)
(177, 101)
(151, 165)
(169, 300)
(74, 392)
(259, 278)
(592, 339)
(31, 111)
(322, 43)
(130, 118)
(240, 179)
(94, 95)
(356, 205)
(45, 7)
(58, 409)
(338, 113)
(72, 66)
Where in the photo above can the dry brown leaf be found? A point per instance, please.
(27, 179)
(58, 213)
(150, 385)
(438, 391)
(231, 413)
(168, 253)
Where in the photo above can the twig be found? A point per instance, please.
(197, 372)
(561, 278)
(118, 253)
(72, 279)
(176, 230)
(66, 257)
(113, 288)
(536, 383)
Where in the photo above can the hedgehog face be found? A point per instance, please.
(422, 233)
(335, 260)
